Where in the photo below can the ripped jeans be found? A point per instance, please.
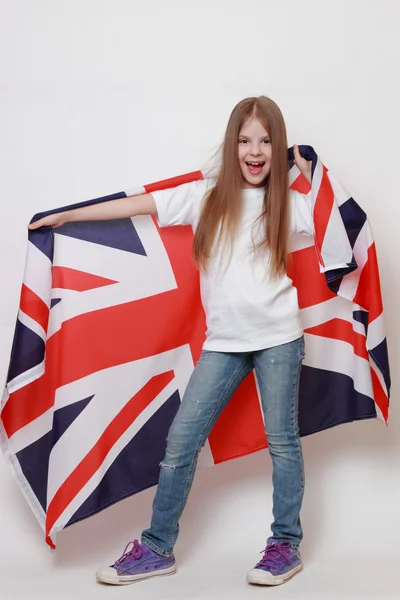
(213, 381)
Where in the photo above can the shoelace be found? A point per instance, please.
(134, 553)
(273, 553)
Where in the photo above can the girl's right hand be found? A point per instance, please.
(54, 220)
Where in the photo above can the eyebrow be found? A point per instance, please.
(246, 137)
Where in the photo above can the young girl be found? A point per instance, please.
(242, 224)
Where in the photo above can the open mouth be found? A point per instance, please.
(255, 168)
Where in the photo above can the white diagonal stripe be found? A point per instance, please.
(37, 275)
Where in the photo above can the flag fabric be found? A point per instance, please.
(109, 328)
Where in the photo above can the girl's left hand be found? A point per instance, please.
(301, 163)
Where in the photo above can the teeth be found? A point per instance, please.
(255, 164)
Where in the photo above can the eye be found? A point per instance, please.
(266, 141)
(242, 141)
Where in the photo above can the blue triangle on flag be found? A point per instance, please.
(43, 240)
(63, 417)
(54, 301)
(27, 351)
(117, 233)
(34, 463)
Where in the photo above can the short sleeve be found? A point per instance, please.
(301, 213)
(181, 205)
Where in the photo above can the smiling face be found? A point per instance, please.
(254, 153)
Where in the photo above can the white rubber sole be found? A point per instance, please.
(260, 577)
(110, 576)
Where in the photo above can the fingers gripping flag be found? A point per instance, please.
(110, 326)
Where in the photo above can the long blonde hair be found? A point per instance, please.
(222, 207)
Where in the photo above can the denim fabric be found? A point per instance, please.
(213, 381)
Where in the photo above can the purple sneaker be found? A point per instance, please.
(280, 562)
(140, 562)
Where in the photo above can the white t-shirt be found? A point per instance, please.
(245, 309)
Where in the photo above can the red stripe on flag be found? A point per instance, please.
(240, 427)
(33, 306)
(71, 279)
(380, 395)
(174, 181)
(369, 290)
(301, 185)
(50, 542)
(339, 329)
(95, 457)
(323, 210)
(310, 283)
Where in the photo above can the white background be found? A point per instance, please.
(98, 96)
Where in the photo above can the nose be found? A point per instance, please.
(255, 149)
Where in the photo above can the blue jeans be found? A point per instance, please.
(213, 381)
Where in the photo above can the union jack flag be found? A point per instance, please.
(110, 326)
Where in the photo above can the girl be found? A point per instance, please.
(242, 223)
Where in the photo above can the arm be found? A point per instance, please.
(113, 209)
